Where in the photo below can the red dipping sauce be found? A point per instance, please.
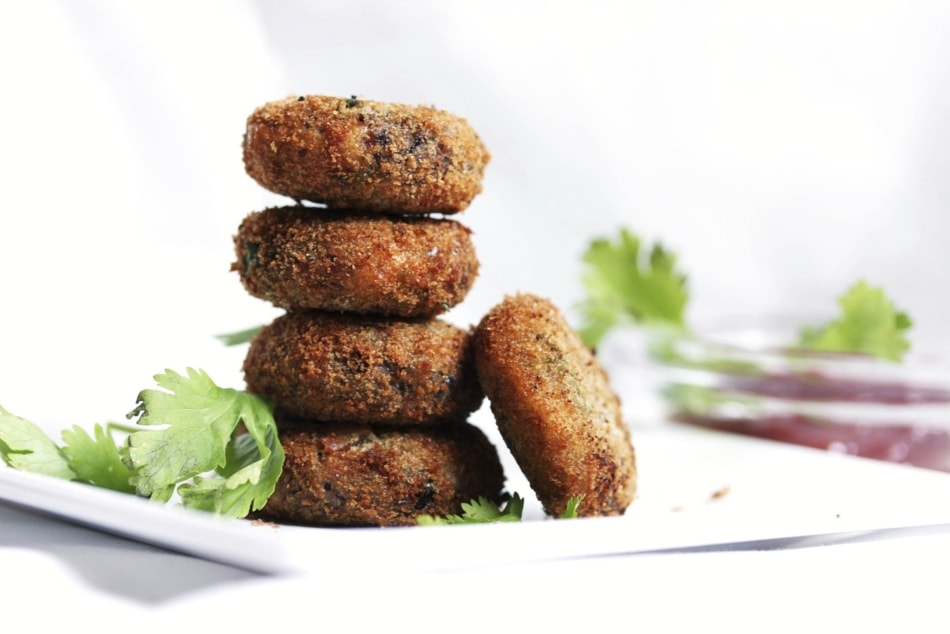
(743, 383)
(905, 441)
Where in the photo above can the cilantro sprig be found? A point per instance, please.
(185, 440)
(868, 323)
(570, 509)
(24, 446)
(199, 420)
(483, 510)
(627, 283)
(480, 511)
(239, 337)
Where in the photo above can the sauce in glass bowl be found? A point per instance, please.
(748, 382)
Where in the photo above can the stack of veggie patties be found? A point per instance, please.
(372, 388)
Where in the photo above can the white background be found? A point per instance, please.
(784, 150)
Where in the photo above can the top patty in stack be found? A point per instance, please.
(368, 155)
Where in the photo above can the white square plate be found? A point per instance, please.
(697, 488)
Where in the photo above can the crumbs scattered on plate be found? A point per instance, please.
(718, 494)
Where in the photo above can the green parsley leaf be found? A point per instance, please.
(24, 446)
(627, 283)
(97, 459)
(869, 324)
(480, 511)
(198, 421)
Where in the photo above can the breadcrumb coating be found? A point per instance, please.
(347, 368)
(300, 257)
(555, 408)
(369, 155)
(340, 474)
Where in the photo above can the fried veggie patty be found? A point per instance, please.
(554, 408)
(339, 474)
(300, 257)
(359, 154)
(347, 368)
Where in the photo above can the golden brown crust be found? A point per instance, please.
(359, 154)
(555, 408)
(338, 474)
(300, 257)
(347, 368)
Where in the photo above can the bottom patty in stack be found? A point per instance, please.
(372, 417)
(344, 474)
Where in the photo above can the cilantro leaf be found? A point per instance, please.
(195, 453)
(88, 459)
(869, 324)
(480, 511)
(97, 459)
(570, 510)
(238, 338)
(627, 283)
(198, 421)
(250, 473)
(24, 446)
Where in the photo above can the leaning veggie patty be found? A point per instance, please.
(300, 257)
(339, 474)
(359, 154)
(351, 368)
(554, 408)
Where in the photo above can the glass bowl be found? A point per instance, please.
(750, 381)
